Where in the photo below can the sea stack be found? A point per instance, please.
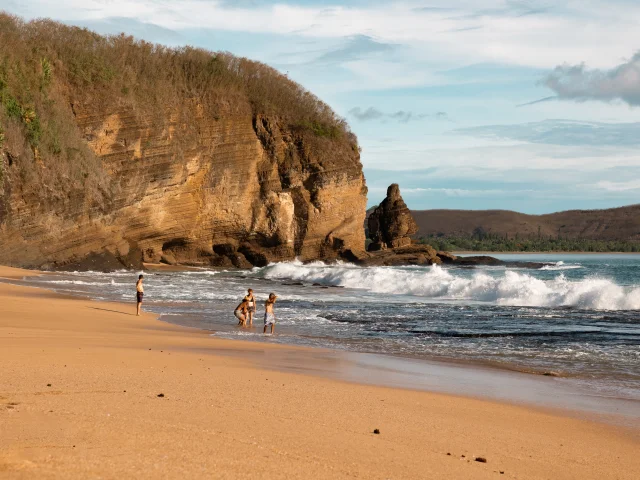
(391, 224)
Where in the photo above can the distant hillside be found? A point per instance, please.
(614, 224)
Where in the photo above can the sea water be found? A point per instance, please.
(577, 317)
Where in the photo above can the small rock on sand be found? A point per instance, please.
(161, 395)
(481, 459)
(376, 431)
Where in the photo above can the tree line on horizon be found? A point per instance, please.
(481, 241)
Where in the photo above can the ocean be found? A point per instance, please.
(578, 317)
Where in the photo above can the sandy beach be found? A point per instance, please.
(89, 390)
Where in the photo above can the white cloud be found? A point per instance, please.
(618, 186)
(562, 132)
(578, 83)
(463, 32)
(402, 116)
(514, 160)
(460, 192)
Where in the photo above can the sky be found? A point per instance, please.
(527, 105)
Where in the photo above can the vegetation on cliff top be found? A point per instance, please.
(44, 65)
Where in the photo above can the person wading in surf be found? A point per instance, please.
(251, 310)
(269, 315)
(139, 294)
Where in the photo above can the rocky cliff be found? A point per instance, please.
(114, 152)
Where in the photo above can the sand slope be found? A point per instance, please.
(78, 399)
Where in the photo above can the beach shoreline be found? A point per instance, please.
(483, 379)
(69, 362)
(479, 378)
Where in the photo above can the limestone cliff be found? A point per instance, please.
(151, 154)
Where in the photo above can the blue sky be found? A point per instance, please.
(531, 105)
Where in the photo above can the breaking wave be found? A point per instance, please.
(560, 266)
(514, 288)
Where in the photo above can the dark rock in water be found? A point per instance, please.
(299, 284)
(376, 431)
(391, 224)
(481, 459)
(446, 257)
(409, 255)
(483, 260)
(317, 285)
(487, 261)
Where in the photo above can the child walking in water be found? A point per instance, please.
(139, 294)
(269, 316)
(251, 309)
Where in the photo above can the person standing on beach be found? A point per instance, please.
(251, 309)
(139, 294)
(241, 312)
(269, 315)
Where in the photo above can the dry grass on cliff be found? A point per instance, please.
(119, 69)
(46, 67)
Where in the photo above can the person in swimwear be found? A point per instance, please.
(269, 315)
(241, 312)
(251, 306)
(139, 294)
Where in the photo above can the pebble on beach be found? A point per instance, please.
(376, 431)
(481, 459)
(161, 395)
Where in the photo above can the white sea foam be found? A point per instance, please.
(515, 288)
(81, 282)
(560, 266)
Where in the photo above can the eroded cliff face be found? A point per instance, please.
(114, 151)
(241, 190)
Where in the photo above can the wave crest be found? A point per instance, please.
(513, 288)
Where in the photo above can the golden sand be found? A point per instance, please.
(79, 398)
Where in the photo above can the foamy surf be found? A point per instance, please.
(560, 266)
(515, 288)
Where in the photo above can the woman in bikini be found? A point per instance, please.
(251, 306)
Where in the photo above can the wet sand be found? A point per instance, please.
(79, 398)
